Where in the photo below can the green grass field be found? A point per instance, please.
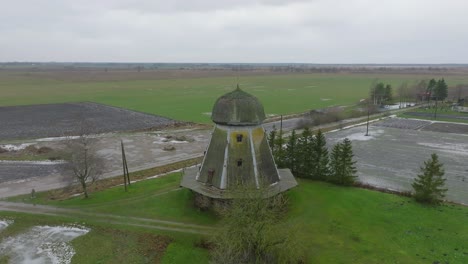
(115, 243)
(338, 224)
(191, 99)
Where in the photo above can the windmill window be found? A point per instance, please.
(209, 181)
(239, 162)
(239, 137)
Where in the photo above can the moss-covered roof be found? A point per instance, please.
(238, 108)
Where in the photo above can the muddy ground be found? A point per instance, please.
(56, 120)
(143, 150)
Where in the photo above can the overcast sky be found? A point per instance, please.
(314, 31)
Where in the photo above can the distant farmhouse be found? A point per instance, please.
(238, 156)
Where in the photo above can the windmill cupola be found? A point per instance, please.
(238, 108)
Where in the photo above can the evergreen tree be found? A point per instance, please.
(279, 153)
(440, 90)
(342, 166)
(291, 153)
(430, 87)
(388, 93)
(378, 93)
(381, 93)
(320, 158)
(335, 168)
(304, 150)
(429, 185)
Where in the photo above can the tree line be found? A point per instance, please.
(307, 156)
(437, 90)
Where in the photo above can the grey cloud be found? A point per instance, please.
(319, 31)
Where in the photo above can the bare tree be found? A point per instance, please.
(254, 230)
(85, 165)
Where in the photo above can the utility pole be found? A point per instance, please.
(368, 105)
(281, 137)
(281, 123)
(368, 114)
(126, 174)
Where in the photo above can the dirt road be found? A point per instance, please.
(106, 218)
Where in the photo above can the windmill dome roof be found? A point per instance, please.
(238, 108)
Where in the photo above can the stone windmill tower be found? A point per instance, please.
(238, 153)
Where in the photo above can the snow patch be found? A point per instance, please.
(207, 113)
(178, 142)
(15, 147)
(325, 99)
(4, 223)
(362, 137)
(163, 140)
(42, 244)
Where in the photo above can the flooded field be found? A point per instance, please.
(143, 150)
(391, 157)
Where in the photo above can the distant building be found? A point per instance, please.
(238, 153)
(462, 109)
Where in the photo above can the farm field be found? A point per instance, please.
(190, 98)
(338, 224)
(57, 120)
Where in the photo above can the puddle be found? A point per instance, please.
(362, 137)
(42, 245)
(56, 138)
